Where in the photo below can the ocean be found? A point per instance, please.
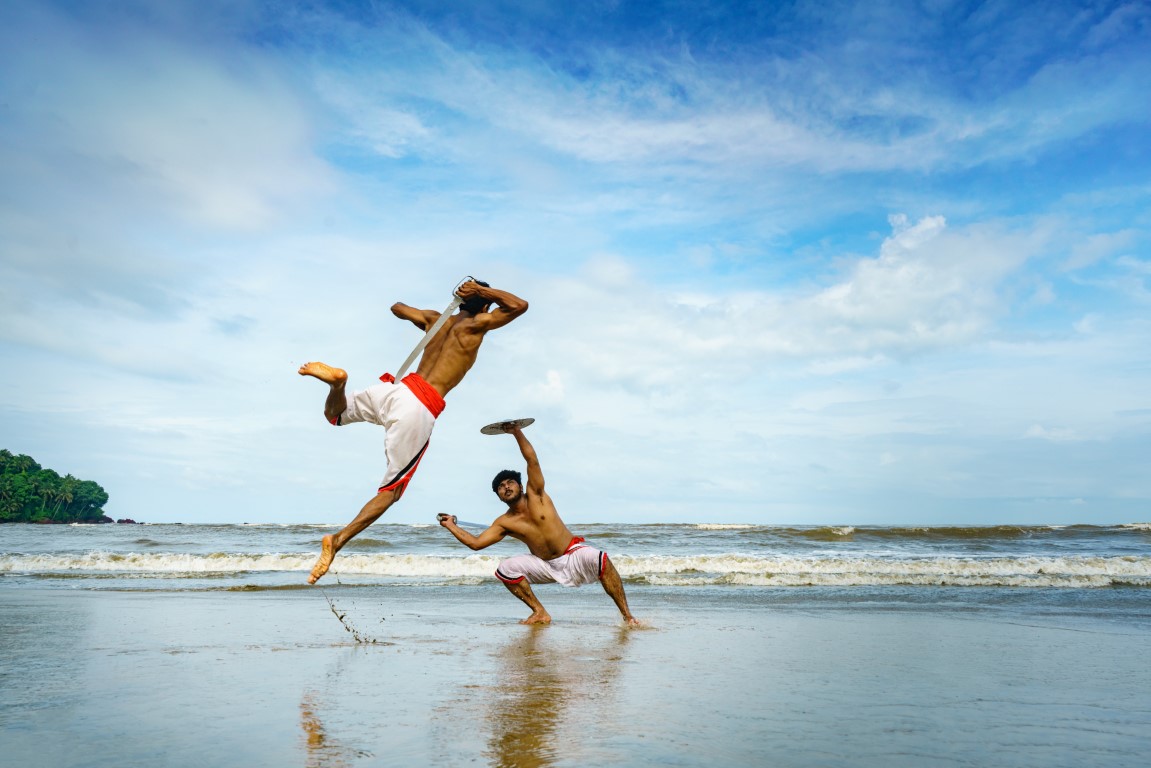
(165, 644)
(224, 557)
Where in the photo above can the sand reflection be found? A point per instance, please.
(321, 750)
(552, 693)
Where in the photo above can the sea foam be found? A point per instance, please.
(666, 570)
(722, 526)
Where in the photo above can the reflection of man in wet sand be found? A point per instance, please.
(543, 683)
(321, 750)
(408, 409)
(556, 555)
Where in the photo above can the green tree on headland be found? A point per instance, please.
(32, 494)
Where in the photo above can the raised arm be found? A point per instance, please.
(508, 305)
(535, 472)
(421, 318)
(493, 534)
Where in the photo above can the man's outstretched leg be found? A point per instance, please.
(336, 379)
(613, 585)
(335, 404)
(523, 591)
(333, 543)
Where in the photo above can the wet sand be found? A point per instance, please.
(271, 678)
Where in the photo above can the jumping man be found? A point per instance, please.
(408, 409)
(556, 555)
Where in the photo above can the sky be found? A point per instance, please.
(814, 263)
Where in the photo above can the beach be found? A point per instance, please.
(128, 668)
(448, 677)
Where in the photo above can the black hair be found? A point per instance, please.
(506, 474)
(475, 304)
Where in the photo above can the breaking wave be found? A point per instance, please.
(723, 526)
(687, 571)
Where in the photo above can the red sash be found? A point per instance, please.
(423, 391)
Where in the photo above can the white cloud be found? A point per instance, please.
(684, 116)
(1093, 248)
(1120, 23)
(928, 289)
(1043, 294)
(1134, 265)
(548, 392)
(1054, 434)
(171, 132)
(382, 129)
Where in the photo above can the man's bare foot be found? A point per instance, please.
(632, 621)
(327, 552)
(325, 373)
(538, 618)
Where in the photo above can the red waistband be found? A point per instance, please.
(423, 391)
(575, 540)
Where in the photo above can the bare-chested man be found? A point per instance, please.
(408, 409)
(556, 555)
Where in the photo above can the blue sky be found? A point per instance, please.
(812, 263)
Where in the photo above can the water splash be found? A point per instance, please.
(358, 636)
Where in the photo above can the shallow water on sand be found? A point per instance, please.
(875, 676)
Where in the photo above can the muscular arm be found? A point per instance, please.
(535, 472)
(421, 318)
(493, 534)
(509, 306)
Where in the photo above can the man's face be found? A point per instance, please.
(509, 491)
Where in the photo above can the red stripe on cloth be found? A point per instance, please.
(402, 481)
(572, 544)
(506, 580)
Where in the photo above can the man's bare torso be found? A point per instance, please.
(536, 523)
(451, 353)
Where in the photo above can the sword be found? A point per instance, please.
(439, 323)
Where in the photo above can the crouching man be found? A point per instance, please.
(556, 555)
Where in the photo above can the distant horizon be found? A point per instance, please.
(1138, 525)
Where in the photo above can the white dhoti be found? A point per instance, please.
(580, 564)
(408, 412)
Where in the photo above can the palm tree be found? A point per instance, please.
(64, 494)
(22, 464)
